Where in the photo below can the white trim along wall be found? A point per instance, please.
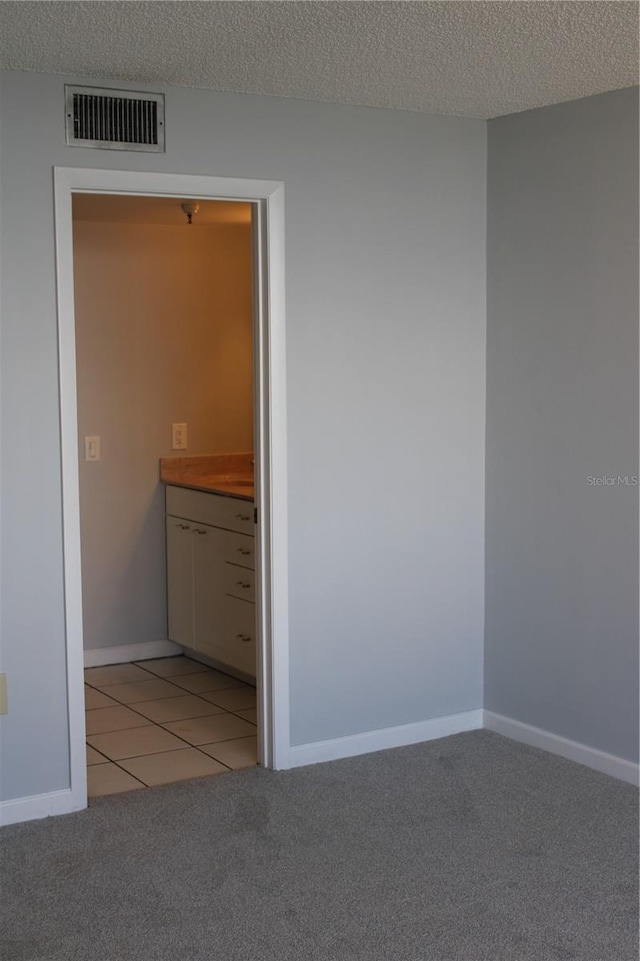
(369, 741)
(59, 802)
(591, 757)
(100, 656)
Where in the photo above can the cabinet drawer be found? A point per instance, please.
(236, 640)
(231, 513)
(238, 549)
(239, 582)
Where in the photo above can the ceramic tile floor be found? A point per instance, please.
(172, 719)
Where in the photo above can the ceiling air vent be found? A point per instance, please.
(114, 119)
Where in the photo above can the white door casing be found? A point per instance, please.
(267, 198)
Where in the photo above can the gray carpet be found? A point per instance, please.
(471, 848)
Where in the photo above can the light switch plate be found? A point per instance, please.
(4, 704)
(178, 437)
(92, 448)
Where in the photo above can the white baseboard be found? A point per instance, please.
(572, 750)
(369, 741)
(63, 802)
(38, 806)
(100, 656)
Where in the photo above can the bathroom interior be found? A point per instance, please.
(163, 291)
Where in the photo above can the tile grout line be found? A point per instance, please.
(223, 710)
(156, 724)
(130, 775)
(171, 749)
(93, 797)
(197, 777)
(135, 757)
(97, 752)
(183, 692)
(151, 723)
(180, 738)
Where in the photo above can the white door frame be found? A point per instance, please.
(270, 432)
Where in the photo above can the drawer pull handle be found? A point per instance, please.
(245, 553)
(245, 638)
(243, 584)
(183, 527)
(243, 517)
(200, 532)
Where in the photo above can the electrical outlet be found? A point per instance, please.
(92, 448)
(4, 704)
(178, 437)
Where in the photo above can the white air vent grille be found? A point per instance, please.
(114, 119)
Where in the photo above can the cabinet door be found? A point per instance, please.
(180, 580)
(237, 637)
(208, 590)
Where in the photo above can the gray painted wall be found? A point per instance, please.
(562, 405)
(385, 261)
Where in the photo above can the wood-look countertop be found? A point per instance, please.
(227, 474)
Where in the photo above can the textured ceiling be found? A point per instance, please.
(471, 59)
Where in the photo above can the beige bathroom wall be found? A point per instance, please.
(164, 335)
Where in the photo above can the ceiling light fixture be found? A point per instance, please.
(190, 210)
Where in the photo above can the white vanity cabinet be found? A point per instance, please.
(210, 576)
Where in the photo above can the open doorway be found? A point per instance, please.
(164, 358)
(260, 488)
